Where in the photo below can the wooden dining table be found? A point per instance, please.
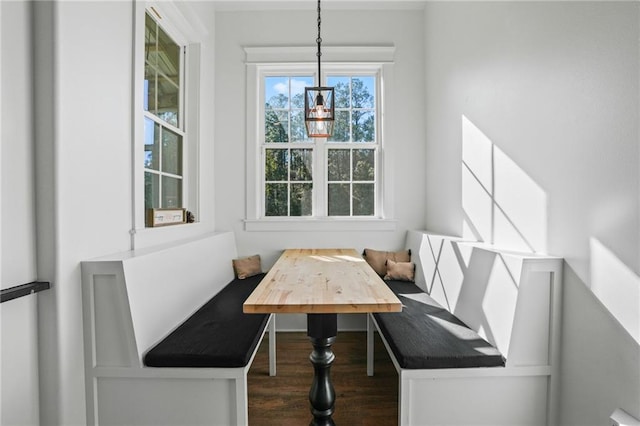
(321, 283)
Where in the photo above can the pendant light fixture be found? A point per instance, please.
(319, 111)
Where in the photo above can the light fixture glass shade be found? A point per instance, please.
(319, 111)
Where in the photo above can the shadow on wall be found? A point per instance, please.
(616, 286)
(502, 205)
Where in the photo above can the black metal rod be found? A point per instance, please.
(319, 41)
(23, 290)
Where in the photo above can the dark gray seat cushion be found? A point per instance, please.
(426, 336)
(219, 334)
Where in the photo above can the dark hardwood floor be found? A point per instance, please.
(360, 400)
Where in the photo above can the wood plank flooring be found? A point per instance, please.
(283, 400)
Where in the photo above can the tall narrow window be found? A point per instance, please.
(164, 136)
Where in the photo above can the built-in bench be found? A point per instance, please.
(166, 341)
(477, 341)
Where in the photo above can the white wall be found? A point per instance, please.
(84, 84)
(18, 317)
(541, 102)
(84, 136)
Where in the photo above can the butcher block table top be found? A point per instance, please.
(317, 281)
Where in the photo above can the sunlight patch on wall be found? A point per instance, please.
(616, 286)
(502, 204)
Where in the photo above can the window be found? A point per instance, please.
(163, 118)
(300, 183)
(166, 105)
(343, 183)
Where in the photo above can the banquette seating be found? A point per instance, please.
(477, 340)
(166, 342)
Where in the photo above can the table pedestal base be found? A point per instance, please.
(322, 330)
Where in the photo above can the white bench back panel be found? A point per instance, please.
(530, 340)
(135, 298)
(166, 286)
(440, 266)
(113, 333)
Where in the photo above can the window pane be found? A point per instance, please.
(363, 123)
(171, 192)
(150, 65)
(171, 152)
(276, 92)
(301, 164)
(363, 164)
(276, 199)
(339, 163)
(276, 164)
(297, 90)
(341, 127)
(168, 101)
(151, 144)
(341, 88)
(339, 199)
(150, 90)
(298, 130)
(301, 196)
(151, 190)
(363, 92)
(363, 199)
(168, 55)
(150, 39)
(276, 125)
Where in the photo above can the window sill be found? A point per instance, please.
(315, 224)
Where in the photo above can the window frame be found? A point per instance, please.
(337, 61)
(178, 128)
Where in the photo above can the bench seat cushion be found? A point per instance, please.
(219, 334)
(427, 336)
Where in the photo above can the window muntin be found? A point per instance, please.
(345, 181)
(164, 135)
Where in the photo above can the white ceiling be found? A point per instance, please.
(346, 4)
(312, 4)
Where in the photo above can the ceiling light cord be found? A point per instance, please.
(319, 41)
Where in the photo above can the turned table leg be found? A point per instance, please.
(322, 330)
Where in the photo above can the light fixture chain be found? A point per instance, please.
(319, 41)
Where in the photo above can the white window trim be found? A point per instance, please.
(185, 27)
(259, 60)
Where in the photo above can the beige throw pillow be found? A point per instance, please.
(378, 259)
(247, 266)
(402, 271)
